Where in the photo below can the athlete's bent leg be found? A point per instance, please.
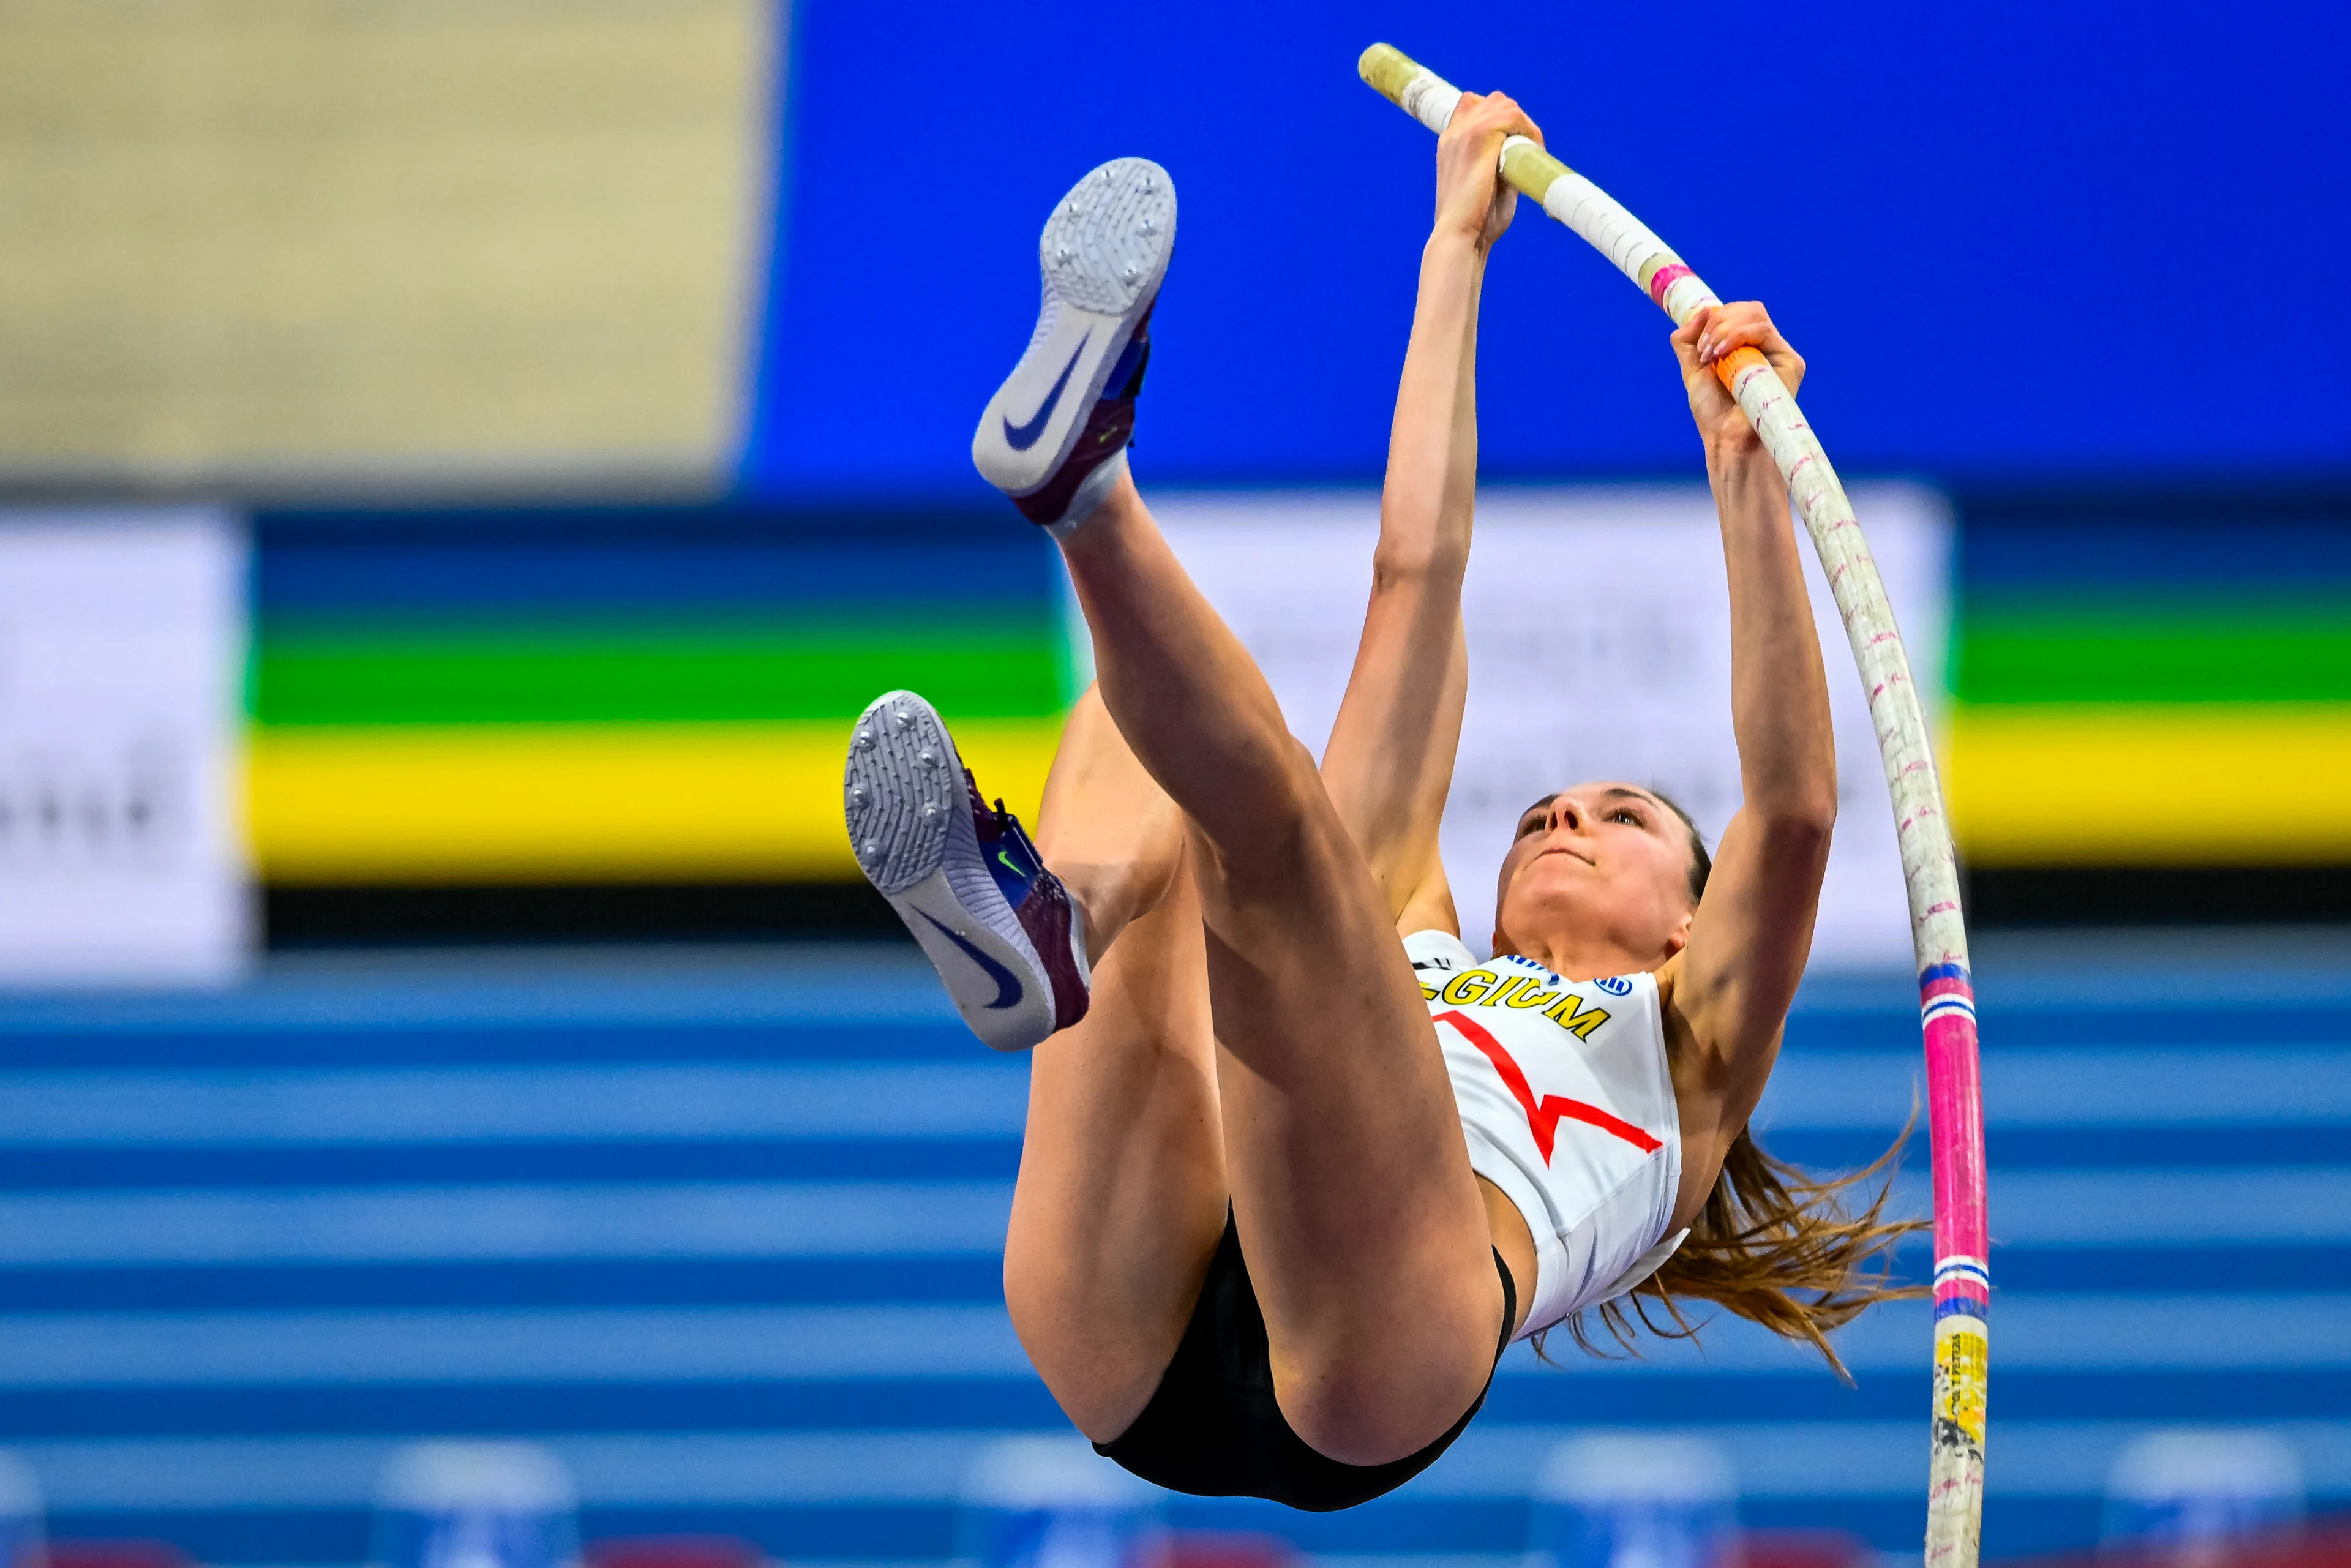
(1107, 831)
(1365, 1233)
(1121, 1194)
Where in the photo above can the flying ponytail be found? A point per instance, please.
(1777, 1247)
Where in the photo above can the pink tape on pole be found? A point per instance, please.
(1664, 279)
(1955, 1125)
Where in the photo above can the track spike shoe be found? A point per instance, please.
(995, 924)
(1054, 436)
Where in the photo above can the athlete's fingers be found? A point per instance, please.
(1485, 114)
(1478, 120)
(1747, 325)
(1689, 339)
(1745, 321)
(1727, 328)
(1709, 404)
(1471, 193)
(1512, 119)
(1741, 325)
(1470, 117)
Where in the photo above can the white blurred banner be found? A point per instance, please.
(1599, 648)
(121, 655)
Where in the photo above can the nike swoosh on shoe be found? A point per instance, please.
(986, 912)
(1102, 257)
(1007, 985)
(1021, 438)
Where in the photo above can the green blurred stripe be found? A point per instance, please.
(633, 625)
(2288, 650)
(983, 673)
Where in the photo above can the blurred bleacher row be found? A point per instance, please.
(720, 1229)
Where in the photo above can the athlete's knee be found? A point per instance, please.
(1365, 1388)
(1098, 1369)
(1289, 824)
(1363, 1410)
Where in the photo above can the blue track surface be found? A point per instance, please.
(723, 1227)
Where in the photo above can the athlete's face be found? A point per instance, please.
(1598, 866)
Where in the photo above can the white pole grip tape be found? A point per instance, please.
(1429, 98)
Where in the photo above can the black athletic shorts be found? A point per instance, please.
(1213, 1429)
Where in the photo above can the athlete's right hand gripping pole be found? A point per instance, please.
(1947, 996)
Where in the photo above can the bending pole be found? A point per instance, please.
(1939, 937)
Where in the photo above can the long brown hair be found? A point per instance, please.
(1776, 1245)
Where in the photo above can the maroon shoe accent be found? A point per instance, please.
(986, 825)
(1107, 430)
(1039, 899)
(1046, 915)
(1110, 426)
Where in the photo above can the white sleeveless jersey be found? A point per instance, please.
(1568, 1107)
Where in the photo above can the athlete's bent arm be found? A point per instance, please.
(1727, 993)
(1390, 760)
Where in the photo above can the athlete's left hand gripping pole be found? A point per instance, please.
(1947, 994)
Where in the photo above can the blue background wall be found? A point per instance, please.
(2113, 230)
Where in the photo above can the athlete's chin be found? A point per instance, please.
(1558, 881)
(1543, 903)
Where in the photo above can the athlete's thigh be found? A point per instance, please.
(1362, 1225)
(1120, 1199)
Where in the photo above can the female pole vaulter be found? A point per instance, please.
(1297, 1167)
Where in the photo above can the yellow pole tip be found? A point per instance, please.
(1386, 69)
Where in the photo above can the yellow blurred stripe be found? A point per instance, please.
(2145, 784)
(581, 803)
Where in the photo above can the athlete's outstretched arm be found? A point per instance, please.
(1390, 760)
(1728, 991)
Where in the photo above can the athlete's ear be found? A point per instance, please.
(1680, 937)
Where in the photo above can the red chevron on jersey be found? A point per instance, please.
(1543, 1117)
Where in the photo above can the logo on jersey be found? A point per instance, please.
(1615, 986)
(1545, 1116)
(1483, 988)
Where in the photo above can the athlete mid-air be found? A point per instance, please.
(1298, 1166)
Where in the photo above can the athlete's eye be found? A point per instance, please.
(1626, 814)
